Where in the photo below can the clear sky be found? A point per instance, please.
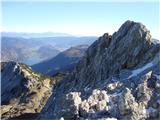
(79, 18)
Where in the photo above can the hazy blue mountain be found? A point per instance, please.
(63, 43)
(25, 50)
(34, 50)
(64, 61)
(33, 35)
(47, 51)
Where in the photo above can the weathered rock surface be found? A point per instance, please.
(117, 78)
(23, 92)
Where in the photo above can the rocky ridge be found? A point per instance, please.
(23, 92)
(118, 78)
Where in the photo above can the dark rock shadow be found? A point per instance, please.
(26, 116)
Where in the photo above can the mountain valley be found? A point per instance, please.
(64, 61)
(31, 51)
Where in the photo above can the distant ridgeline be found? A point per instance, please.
(33, 50)
(64, 61)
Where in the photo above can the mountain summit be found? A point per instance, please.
(117, 78)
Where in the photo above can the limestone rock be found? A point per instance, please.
(126, 102)
(118, 78)
(95, 104)
(70, 108)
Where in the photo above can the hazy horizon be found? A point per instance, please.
(77, 18)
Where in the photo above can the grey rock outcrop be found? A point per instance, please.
(117, 78)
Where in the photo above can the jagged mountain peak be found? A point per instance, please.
(117, 78)
(130, 29)
(125, 49)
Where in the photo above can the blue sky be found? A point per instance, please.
(78, 18)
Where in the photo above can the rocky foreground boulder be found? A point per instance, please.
(118, 78)
(23, 92)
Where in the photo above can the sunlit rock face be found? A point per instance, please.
(23, 92)
(118, 78)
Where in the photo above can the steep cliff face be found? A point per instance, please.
(23, 92)
(118, 78)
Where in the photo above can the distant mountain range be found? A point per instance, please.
(33, 35)
(34, 50)
(63, 43)
(25, 50)
(64, 61)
